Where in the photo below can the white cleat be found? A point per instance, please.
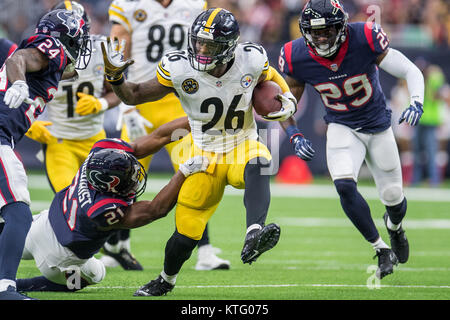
(207, 259)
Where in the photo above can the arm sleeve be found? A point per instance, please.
(163, 73)
(396, 64)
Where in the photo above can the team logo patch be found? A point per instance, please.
(190, 86)
(98, 70)
(334, 67)
(140, 15)
(246, 81)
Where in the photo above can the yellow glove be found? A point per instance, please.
(40, 133)
(89, 104)
(113, 59)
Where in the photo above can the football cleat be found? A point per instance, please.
(207, 259)
(126, 260)
(11, 294)
(259, 241)
(386, 262)
(157, 287)
(399, 242)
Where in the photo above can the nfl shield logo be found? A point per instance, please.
(334, 67)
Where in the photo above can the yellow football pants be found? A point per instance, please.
(201, 193)
(158, 113)
(64, 157)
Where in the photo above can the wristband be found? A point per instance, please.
(115, 81)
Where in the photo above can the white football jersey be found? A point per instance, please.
(154, 30)
(67, 124)
(219, 109)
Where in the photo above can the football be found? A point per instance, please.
(264, 98)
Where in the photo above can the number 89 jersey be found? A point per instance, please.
(154, 29)
(348, 84)
(67, 124)
(219, 109)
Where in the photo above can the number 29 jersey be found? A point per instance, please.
(155, 30)
(219, 109)
(348, 84)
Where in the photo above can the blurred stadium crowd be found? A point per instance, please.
(424, 23)
(420, 27)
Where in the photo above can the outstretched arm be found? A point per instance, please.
(165, 134)
(144, 212)
(130, 93)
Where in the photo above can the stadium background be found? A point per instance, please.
(419, 28)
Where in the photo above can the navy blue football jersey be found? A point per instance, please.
(78, 212)
(6, 48)
(349, 83)
(14, 123)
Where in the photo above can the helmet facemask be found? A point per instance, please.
(206, 54)
(324, 26)
(212, 39)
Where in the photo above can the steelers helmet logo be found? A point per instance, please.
(140, 15)
(190, 86)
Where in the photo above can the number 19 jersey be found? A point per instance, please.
(154, 30)
(219, 109)
(67, 124)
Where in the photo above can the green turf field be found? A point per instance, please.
(320, 254)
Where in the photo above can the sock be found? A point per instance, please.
(396, 214)
(169, 279)
(18, 218)
(114, 248)
(257, 192)
(254, 226)
(379, 244)
(205, 238)
(5, 283)
(356, 208)
(40, 284)
(391, 226)
(178, 250)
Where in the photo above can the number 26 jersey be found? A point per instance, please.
(219, 109)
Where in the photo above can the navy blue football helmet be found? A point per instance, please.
(323, 23)
(116, 171)
(78, 9)
(212, 39)
(71, 30)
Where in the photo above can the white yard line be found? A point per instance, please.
(288, 190)
(281, 286)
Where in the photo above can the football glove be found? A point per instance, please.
(40, 133)
(16, 94)
(194, 165)
(412, 114)
(288, 108)
(113, 59)
(135, 124)
(89, 104)
(302, 147)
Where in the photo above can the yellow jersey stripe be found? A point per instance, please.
(120, 17)
(167, 73)
(162, 74)
(68, 5)
(163, 81)
(205, 6)
(211, 17)
(116, 7)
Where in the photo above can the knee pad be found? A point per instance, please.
(345, 187)
(392, 194)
